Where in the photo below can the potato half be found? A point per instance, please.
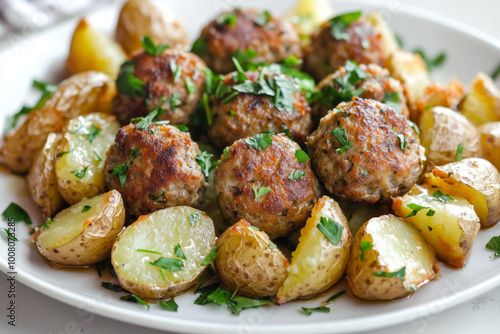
(442, 131)
(83, 234)
(154, 237)
(490, 141)
(318, 263)
(474, 179)
(449, 225)
(388, 39)
(389, 259)
(249, 262)
(93, 50)
(482, 104)
(41, 179)
(79, 165)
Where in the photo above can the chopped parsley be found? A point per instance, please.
(432, 63)
(80, 173)
(148, 251)
(208, 112)
(133, 153)
(403, 141)
(309, 311)
(199, 47)
(301, 156)
(245, 57)
(416, 208)
(392, 100)
(150, 48)
(14, 211)
(97, 155)
(176, 70)
(134, 299)
(127, 83)
(121, 172)
(224, 152)
(494, 245)
(210, 258)
(296, 174)
(93, 132)
(495, 73)
(227, 19)
(10, 236)
(86, 208)
(47, 223)
(178, 252)
(259, 192)
(60, 154)
(331, 229)
(365, 246)
(175, 101)
(460, 149)
(169, 264)
(443, 198)
(335, 296)
(182, 127)
(157, 196)
(262, 18)
(341, 136)
(170, 305)
(143, 122)
(190, 86)
(414, 127)
(260, 141)
(338, 24)
(397, 274)
(204, 160)
(194, 218)
(113, 287)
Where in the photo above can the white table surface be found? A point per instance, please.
(37, 313)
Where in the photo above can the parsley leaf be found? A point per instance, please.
(403, 141)
(224, 152)
(460, 149)
(170, 305)
(86, 208)
(199, 47)
(495, 73)
(149, 46)
(309, 311)
(245, 57)
(193, 218)
(134, 299)
(210, 258)
(260, 141)
(204, 159)
(93, 132)
(296, 174)
(227, 19)
(148, 251)
(60, 154)
(414, 127)
(10, 235)
(47, 223)
(143, 122)
(301, 156)
(341, 136)
(335, 296)
(416, 208)
(80, 173)
(259, 192)
(397, 274)
(262, 18)
(338, 24)
(432, 63)
(127, 83)
(494, 245)
(176, 70)
(443, 198)
(190, 86)
(113, 287)
(121, 172)
(392, 100)
(178, 252)
(365, 246)
(14, 211)
(331, 229)
(169, 264)
(237, 304)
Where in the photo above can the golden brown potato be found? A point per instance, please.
(79, 165)
(93, 50)
(163, 254)
(475, 179)
(449, 224)
(389, 259)
(442, 131)
(482, 104)
(319, 261)
(41, 179)
(308, 15)
(82, 234)
(248, 261)
(388, 39)
(151, 18)
(490, 142)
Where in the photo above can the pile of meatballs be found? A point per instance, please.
(281, 146)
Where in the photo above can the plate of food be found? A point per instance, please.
(319, 166)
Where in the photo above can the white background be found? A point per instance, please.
(37, 313)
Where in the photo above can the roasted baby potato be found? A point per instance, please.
(321, 257)
(41, 179)
(442, 131)
(93, 50)
(389, 259)
(482, 104)
(390, 43)
(163, 254)
(82, 234)
(308, 15)
(474, 179)
(449, 224)
(490, 142)
(151, 18)
(249, 262)
(79, 164)
(410, 69)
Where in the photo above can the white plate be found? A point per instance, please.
(42, 56)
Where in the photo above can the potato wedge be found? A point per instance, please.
(482, 104)
(410, 69)
(442, 131)
(389, 259)
(154, 237)
(151, 18)
(41, 179)
(490, 142)
(474, 179)
(79, 165)
(449, 225)
(388, 39)
(93, 50)
(249, 262)
(318, 263)
(83, 234)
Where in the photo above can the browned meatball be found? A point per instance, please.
(173, 81)
(155, 168)
(366, 152)
(264, 37)
(366, 81)
(248, 114)
(269, 187)
(361, 43)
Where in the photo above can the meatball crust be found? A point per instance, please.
(166, 78)
(162, 169)
(375, 167)
(288, 203)
(271, 38)
(249, 114)
(377, 87)
(326, 54)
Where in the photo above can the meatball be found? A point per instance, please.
(364, 151)
(361, 42)
(366, 81)
(173, 81)
(247, 114)
(259, 35)
(155, 168)
(261, 180)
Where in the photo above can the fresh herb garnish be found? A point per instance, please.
(113, 287)
(309, 311)
(10, 235)
(134, 299)
(432, 63)
(143, 122)
(259, 192)
(94, 131)
(260, 141)
(204, 160)
(150, 48)
(495, 73)
(227, 19)
(60, 154)
(416, 208)
(392, 100)
(443, 198)
(47, 223)
(341, 136)
(397, 274)
(194, 218)
(460, 149)
(170, 305)
(80, 173)
(403, 141)
(296, 174)
(127, 83)
(199, 47)
(14, 211)
(494, 245)
(157, 196)
(178, 252)
(210, 258)
(224, 152)
(86, 208)
(133, 153)
(338, 24)
(121, 172)
(335, 296)
(175, 101)
(208, 112)
(190, 86)
(176, 70)
(262, 18)
(414, 127)
(148, 251)
(331, 229)
(301, 156)
(245, 57)
(169, 264)
(365, 246)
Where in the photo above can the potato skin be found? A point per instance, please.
(247, 263)
(95, 242)
(490, 140)
(41, 179)
(288, 203)
(151, 18)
